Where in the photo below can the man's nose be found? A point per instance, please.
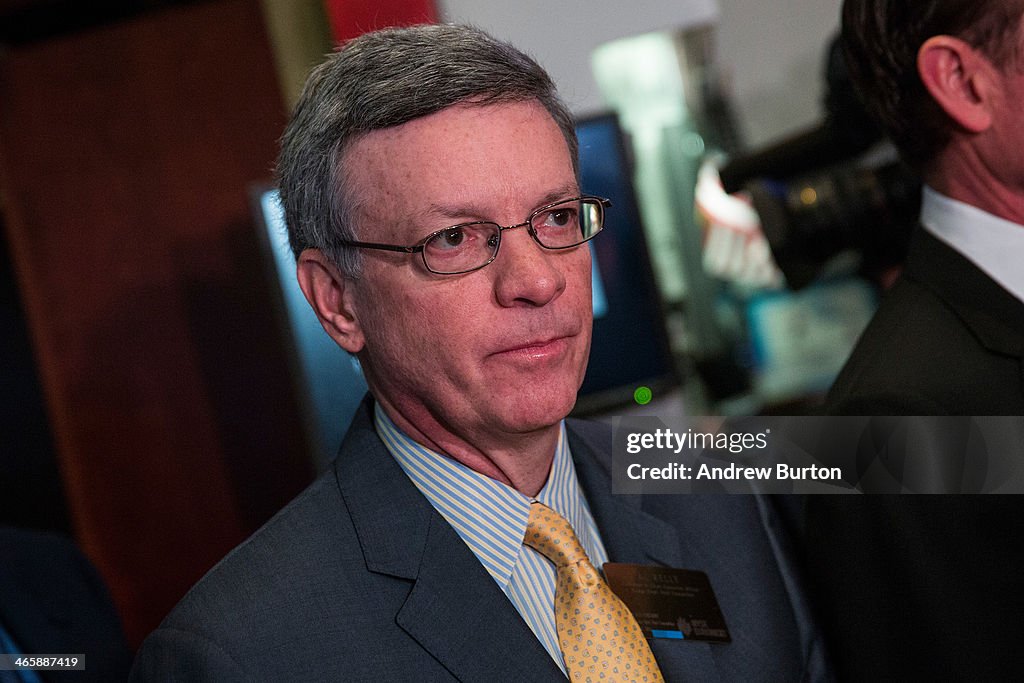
(526, 273)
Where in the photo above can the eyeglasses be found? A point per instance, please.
(466, 247)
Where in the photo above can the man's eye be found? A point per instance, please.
(559, 218)
(450, 239)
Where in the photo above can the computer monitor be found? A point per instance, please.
(630, 346)
(329, 381)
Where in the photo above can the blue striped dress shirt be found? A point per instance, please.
(491, 518)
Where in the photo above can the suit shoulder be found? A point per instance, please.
(268, 595)
(591, 442)
(917, 356)
(596, 433)
(313, 529)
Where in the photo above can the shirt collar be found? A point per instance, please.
(488, 515)
(993, 244)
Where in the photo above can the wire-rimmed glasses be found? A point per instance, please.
(466, 247)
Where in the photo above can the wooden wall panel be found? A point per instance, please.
(126, 155)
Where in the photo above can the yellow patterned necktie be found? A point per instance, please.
(599, 638)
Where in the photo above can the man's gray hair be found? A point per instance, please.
(383, 79)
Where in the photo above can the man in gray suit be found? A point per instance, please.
(430, 187)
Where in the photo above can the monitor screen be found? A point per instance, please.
(330, 382)
(630, 346)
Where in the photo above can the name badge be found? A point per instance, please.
(669, 603)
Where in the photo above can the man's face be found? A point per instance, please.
(501, 350)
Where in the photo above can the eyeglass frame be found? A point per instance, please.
(420, 246)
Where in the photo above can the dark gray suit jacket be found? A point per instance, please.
(360, 578)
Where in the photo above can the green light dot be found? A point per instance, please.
(642, 395)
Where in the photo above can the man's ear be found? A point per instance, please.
(959, 79)
(332, 297)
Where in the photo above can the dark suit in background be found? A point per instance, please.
(361, 579)
(926, 587)
(947, 340)
(52, 601)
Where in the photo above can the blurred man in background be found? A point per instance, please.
(913, 588)
(946, 80)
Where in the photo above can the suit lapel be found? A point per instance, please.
(455, 610)
(634, 536)
(629, 534)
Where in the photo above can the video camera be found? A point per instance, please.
(832, 189)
